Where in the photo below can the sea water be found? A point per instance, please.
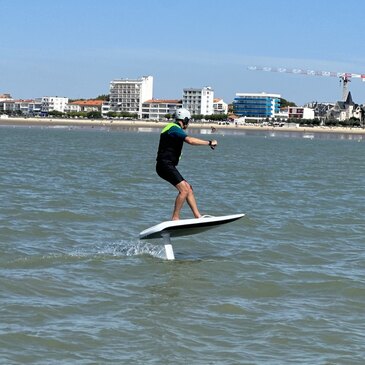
(283, 285)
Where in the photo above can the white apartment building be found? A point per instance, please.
(35, 106)
(295, 112)
(53, 103)
(198, 101)
(127, 95)
(157, 109)
(24, 107)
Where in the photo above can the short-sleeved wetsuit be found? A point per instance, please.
(169, 150)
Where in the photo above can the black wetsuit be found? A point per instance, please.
(169, 150)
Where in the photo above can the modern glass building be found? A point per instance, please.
(259, 105)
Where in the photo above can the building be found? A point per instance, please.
(4, 97)
(282, 115)
(321, 110)
(256, 105)
(344, 110)
(219, 106)
(128, 95)
(53, 103)
(295, 112)
(105, 109)
(85, 106)
(37, 106)
(28, 107)
(158, 109)
(198, 101)
(6, 103)
(7, 106)
(340, 111)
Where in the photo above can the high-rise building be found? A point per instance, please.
(127, 95)
(198, 101)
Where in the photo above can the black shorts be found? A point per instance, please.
(167, 171)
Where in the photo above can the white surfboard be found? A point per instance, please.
(185, 227)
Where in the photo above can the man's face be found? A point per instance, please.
(182, 125)
(185, 123)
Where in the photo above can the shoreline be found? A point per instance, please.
(52, 122)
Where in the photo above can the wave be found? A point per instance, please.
(131, 248)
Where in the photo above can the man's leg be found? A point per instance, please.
(185, 193)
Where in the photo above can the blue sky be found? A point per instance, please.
(75, 48)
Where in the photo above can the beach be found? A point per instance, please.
(154, 124)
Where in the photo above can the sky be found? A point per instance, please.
(74, 48)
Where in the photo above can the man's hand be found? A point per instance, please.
(213, 144)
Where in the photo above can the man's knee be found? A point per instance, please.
(184, 188)
(188, 187)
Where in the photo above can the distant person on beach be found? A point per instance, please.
(171, 143)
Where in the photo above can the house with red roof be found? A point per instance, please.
(85, 106)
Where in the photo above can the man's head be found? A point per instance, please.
(183, 115)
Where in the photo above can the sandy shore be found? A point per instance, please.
(151, 124)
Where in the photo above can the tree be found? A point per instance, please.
(72, 100)
(102, 97)
(93, 115)
(355, 122)
(111, 114)
(128, 115)
(56, 113)
(76, 115)
(216, 117)
(285, 103)
(198, 116)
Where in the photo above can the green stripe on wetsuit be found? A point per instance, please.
(169, 126)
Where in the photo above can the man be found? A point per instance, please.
(172, 139)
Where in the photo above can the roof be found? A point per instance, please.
(343, 105)
(163, 101)
(19, 101)
(88, 102)
(24, 100)
(349, 100)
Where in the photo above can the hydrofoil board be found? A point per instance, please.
(186, 227)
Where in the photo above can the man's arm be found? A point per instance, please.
(200, 142)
